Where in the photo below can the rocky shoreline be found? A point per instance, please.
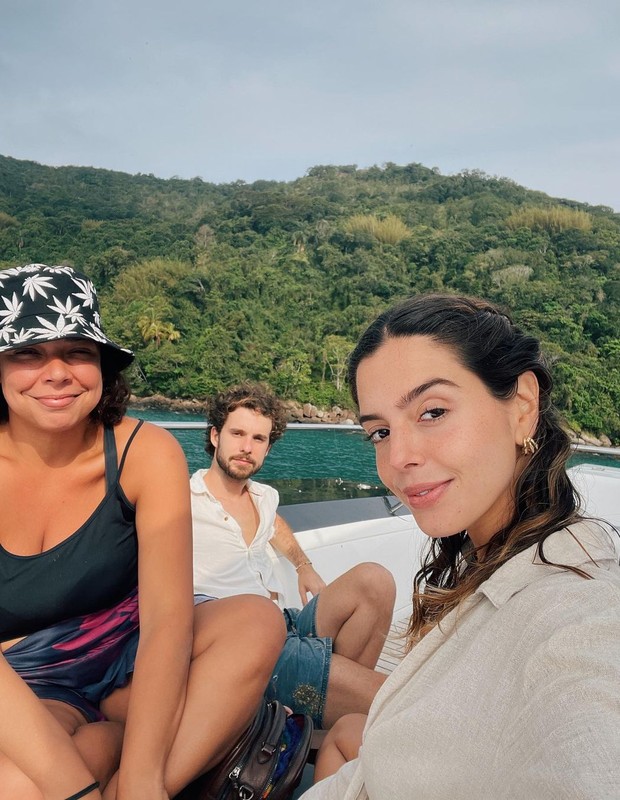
(307, 412)
(297, 412)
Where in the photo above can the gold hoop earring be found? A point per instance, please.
(530, 446)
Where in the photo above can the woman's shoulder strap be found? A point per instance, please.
(128, 445)
(111, 457)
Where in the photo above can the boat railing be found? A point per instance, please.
(612, 452)
(392, 505)
(173, 425)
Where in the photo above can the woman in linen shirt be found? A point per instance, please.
(511, 687)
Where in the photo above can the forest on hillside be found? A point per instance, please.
(273, 281)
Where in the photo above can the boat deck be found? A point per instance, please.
(394, 648)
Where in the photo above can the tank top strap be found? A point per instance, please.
(111, 458)
(128, 445)
(112, 468)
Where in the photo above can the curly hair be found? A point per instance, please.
(112, 407)
(114, 401)
(245, 395)
(490, 345)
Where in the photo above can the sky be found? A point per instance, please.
(265, 89)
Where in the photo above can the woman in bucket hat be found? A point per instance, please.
(96, 605)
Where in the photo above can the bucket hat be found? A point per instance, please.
(42, 304)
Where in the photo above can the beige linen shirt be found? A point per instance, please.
(517, 696)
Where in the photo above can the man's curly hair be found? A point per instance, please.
(245, 395)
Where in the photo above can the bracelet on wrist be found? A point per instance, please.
(303, 564)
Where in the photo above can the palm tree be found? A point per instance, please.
(156, 330)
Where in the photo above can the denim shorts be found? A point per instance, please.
(299, 679)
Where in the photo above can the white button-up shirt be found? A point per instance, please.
(224, 565)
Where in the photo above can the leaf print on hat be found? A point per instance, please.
(59, 270)
(37, 284)
(93, 332)
(58, 331)
(87, 293)
(33, 268)
(13, 309)
(23, 336)
(7, 333)
(11, 272)
(67, 309)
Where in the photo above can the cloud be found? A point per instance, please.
(240, 89)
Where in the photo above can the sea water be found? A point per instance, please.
(304, 465)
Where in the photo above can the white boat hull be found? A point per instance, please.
(338, 534)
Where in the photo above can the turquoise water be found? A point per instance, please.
(304, 465)
(307, 465)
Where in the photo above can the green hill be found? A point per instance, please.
(274, 281)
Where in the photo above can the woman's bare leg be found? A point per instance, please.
(236, 644)
(90, 754)
(14, 783)
(341, 744)
(100, 744)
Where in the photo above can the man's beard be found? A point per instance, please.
(235, 470)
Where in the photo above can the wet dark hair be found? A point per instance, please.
(112, 406)
(489, 344)
(245, 395)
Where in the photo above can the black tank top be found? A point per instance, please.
(91, 570)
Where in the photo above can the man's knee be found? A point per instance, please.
(374, 582)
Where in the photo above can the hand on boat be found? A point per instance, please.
(309, 582)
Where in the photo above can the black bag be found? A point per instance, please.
(267, 761)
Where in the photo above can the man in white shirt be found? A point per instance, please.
(327, 666)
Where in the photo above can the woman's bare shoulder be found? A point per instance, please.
(153, 454)
(148, 435)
